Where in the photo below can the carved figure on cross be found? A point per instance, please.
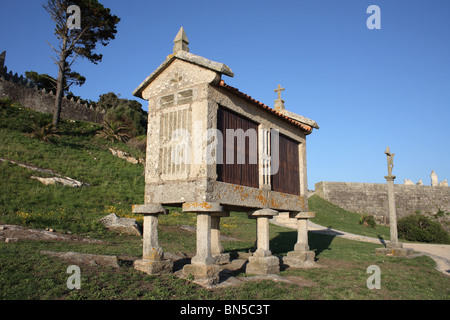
(390, 160)
(279, 89)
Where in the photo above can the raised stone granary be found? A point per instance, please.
(211, 149)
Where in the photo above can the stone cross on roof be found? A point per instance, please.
(279, 89)
(279, 103)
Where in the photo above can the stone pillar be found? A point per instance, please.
(217, 250)
(301, 257)
(262, 261)
(392, 213)
(202, 266)
(394, 247)
(152, 261)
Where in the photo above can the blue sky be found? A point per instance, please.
(367, 89)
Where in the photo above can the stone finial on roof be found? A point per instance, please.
(279, 103)
(180, 43)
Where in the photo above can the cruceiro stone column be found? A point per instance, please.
(217, 250)
(394, 247)
(202, 266)
(262, 261)
(152, 261)
(301, 257)
(392, 213)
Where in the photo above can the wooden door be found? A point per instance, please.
(287, 179)
(246, 173)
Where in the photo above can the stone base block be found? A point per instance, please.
(396, 252)
(154, 266)
(300, 259)
(222, 258)
(263, 265)
(394, 245)
(204, 275)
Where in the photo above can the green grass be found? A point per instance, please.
(116, 185)
(79, 154)
(334, 217)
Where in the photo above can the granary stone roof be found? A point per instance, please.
(181, 51)
(295, 119)
(185, 56)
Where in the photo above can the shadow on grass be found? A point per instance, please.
(285, 242)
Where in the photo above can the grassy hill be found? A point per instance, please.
(115, 185)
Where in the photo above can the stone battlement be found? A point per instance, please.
(26, 92)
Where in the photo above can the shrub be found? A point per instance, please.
(134, 120)
(422, 229)
(114, 131)
(43, 131)
(5, 103)
(367, 220)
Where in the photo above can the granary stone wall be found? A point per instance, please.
(25, 92)
(371, 198)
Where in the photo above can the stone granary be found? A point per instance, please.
(211, 149)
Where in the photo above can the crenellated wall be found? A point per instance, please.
(25, 92)
(371, 198)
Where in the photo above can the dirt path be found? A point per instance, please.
(438, 252)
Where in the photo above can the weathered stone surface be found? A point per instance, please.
(22, 233)
(396, 252)
(202, 207)
(262, 265)
(300, 259)
(434, 178)
(48, 181)
(231, 194)
(302, 215)
(408, 182)
(64, 181)
(149, 209)
(85, 258)
(125, 156)
(266, 212)
(121, 225)
(222, 258)
(154, 266)
(204, 275)
(42, 101)
(372, 198)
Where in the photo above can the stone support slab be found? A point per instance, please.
(152, 261)
(396, 252)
